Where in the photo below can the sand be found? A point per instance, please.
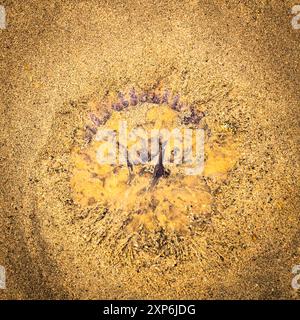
(240, 59)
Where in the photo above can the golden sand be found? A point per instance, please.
(63, 235)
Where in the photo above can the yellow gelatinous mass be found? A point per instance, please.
(175, 200)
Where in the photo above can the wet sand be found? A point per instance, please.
(242, 59)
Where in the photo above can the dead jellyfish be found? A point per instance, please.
(147, 195)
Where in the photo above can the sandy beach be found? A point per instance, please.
(236, 61)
